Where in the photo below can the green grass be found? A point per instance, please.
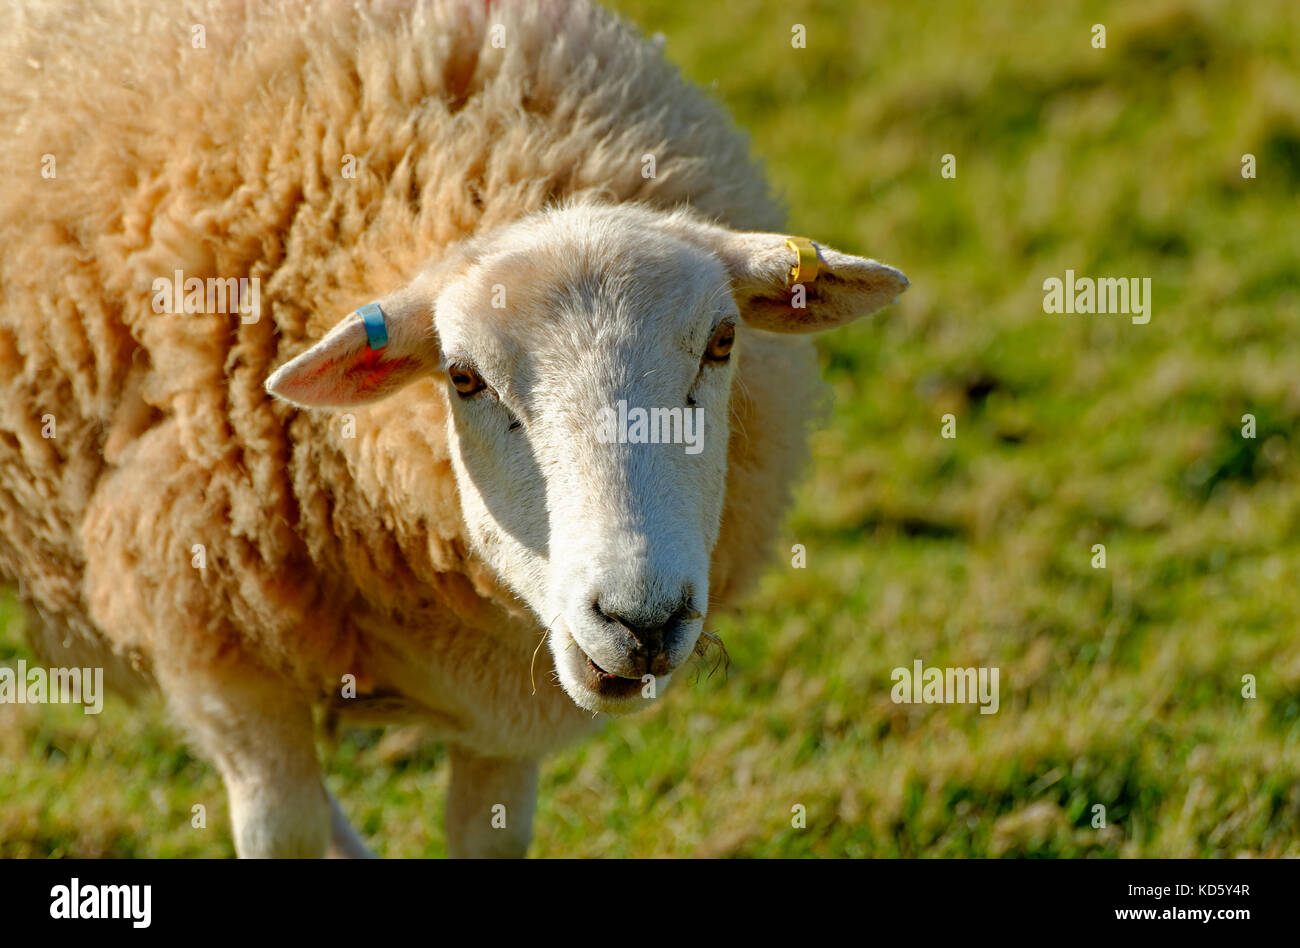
(1119, 687)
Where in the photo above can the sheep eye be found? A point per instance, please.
(465, 380)
(719, 348)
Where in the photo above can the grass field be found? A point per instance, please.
(1120, 686)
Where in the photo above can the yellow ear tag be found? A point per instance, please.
(805, 266)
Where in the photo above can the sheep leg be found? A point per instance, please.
(490, 805)
(260, 736)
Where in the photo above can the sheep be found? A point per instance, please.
(472, 229)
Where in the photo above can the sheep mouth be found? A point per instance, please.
(607, 684)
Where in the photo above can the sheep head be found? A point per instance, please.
(587, 357)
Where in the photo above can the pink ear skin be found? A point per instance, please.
(342, 370)
(364, 377)
(372, 375)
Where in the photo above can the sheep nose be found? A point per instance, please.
(651, 626)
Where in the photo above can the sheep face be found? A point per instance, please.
(589, 437)
(588, 354)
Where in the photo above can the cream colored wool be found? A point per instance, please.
(325, 555)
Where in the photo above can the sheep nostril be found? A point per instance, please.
(650, 628)
(646, 634)
(650, 638)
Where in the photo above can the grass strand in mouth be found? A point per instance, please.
(709, 642)
(532, 678)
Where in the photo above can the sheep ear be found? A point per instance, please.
(768, 271)
(343, 369)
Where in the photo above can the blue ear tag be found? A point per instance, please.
(376, 329)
